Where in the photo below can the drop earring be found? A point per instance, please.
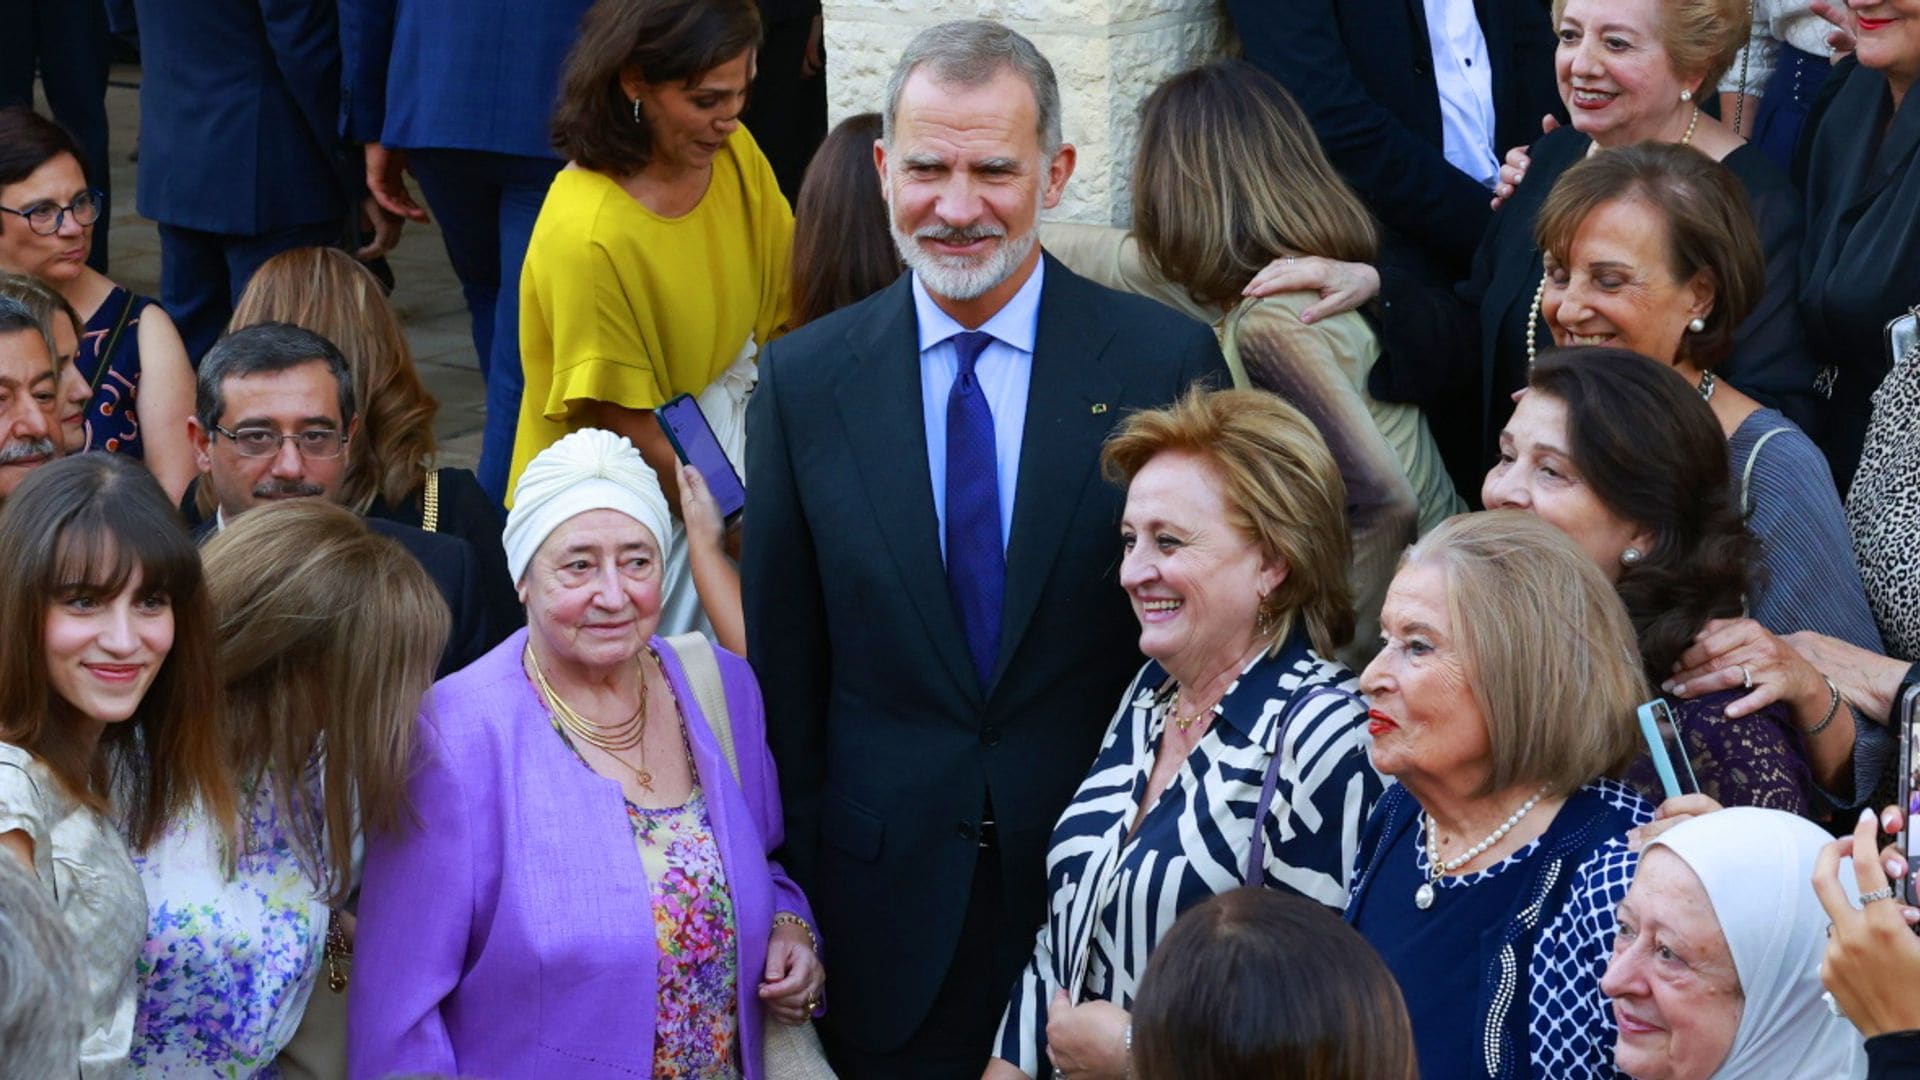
(636, 111)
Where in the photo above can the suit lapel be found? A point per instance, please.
(880, 411)
(1070, 403)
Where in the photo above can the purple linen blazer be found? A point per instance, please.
(508, 930)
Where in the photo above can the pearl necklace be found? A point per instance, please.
(1423, 896)
(1540, 291)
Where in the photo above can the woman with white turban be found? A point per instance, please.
(586, 886)
(1716, 959)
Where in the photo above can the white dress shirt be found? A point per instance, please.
(1464, 76)
(1005, 370)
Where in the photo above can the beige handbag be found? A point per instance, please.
(788, 1052)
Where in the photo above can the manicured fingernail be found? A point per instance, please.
(1912, 915)
(1679, 689)
(1895, 868)
(1886, 820)
(1866, 815)
(1669, 687)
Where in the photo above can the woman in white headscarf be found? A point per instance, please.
(1716, 963)
(586, 884)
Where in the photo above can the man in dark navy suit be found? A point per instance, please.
(1415, 102)
(459, 93)
(930, 557)
(68, 44)
(240, 152)
(273, 418)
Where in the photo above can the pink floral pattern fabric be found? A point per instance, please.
(696, 1024)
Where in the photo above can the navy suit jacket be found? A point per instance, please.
(455, 74)
(889, 749)
(239, 108)
(1363, 71)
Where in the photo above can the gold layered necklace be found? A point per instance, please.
(615, 740)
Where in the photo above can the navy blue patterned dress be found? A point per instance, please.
(113, 419)
(1502, 974)
(1111, 897)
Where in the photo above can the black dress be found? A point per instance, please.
(1861, 264)
(1460, 353)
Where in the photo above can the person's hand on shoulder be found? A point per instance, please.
(1343, 286)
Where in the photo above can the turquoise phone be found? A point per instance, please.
(1661, 729)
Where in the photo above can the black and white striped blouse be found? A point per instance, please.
(1112, 897)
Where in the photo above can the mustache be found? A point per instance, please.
(21, 449)
(287, 489)
(949, 235)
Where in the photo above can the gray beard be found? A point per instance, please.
(960, 278)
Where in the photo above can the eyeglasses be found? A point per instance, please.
(46, 218)
(318, 443)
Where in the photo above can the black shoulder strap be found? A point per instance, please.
(103, 358)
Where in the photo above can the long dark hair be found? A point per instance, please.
(842, 247)
(87, 524)
(1651, 451)
(1255, 982)
(665, 41)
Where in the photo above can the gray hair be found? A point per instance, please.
(970, 52)
(262, 349)
(41, 987)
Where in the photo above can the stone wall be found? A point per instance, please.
(1107, 54)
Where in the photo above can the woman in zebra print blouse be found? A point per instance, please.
(1235, 556)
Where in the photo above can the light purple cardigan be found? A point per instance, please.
(510, 932)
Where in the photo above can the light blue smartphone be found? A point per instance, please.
(1661, 729)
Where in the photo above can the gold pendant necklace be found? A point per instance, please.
(1185, 723)
(616, 740)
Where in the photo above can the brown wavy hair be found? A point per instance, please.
(1230, 176)
(323, 672)
(661, 40)
(842, 248)
(327, 292)
(1651, 451)
(86, 525)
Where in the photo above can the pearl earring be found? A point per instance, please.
(636, 111)
(1697, 324)
(1630, 557)
(1686, 96)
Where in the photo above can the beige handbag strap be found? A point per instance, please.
(703, 677)
(1746, 473)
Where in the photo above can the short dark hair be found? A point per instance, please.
(263, 349)
(1650, 450)
(29, 140)
(16, 316)
(1256, 982)
(664, 40)
(843, 250)
(1706, 221)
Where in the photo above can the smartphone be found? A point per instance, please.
(694, 441)
(1661, 729)
(1909, 796)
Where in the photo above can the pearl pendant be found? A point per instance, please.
(1423, 896)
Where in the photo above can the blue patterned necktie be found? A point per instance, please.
(976, 565)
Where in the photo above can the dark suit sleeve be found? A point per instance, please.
(786, 616)
(1770, 358)
(1202, 362)
(471, 515)
(1403, 178)
(470, 637)
(366, 48)
(305, 40)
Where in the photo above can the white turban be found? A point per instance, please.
(588, 470)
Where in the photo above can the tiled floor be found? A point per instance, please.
(426, 292)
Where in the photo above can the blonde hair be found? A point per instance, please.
(1229, 176)
(1701, 37)
(329, 636)
(328, 292)
(1549, 651)
(1282, 489)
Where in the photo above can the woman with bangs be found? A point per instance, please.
(320, 701)
(1229, 179)
(107, 707)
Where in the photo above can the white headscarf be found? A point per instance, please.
(587, 470)
(1757, 867)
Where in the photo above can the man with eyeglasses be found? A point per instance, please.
(27, 396)
(274, 415)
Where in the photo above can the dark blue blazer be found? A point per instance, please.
(239, 102)
(1363, 71)
(455, 74)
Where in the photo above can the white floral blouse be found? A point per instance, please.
(229, 962)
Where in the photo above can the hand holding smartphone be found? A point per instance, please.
(1668, 749)
(694, 441)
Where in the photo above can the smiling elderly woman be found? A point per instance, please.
(1504, 695)
(1235, 549)
(588, 882)
(1716, 962)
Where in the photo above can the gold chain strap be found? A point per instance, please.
(430, 503)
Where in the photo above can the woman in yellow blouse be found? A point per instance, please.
(659, 264)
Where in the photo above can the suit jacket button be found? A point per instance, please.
(990, 737)
(968, 831)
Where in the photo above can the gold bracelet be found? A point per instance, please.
(1833, 710)
(788, 918)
